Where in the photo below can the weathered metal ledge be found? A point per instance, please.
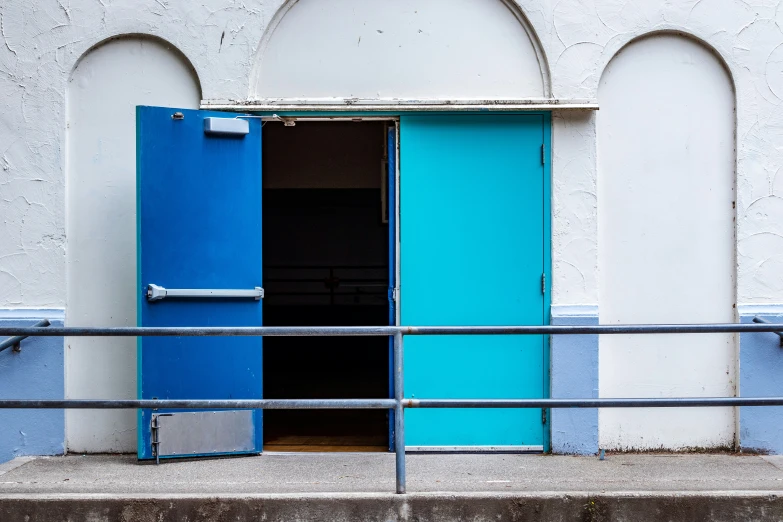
(398, 105)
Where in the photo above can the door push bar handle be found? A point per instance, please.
(156, 293)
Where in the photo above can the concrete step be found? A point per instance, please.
(729, 506)
(359, 487)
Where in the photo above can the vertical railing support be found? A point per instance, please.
(399, 413)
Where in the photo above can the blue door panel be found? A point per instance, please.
(199, 227)
(472, 253)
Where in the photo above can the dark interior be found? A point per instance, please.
(325, 264)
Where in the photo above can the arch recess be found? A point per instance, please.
(666, 234)
(374, 49)
(107, 83)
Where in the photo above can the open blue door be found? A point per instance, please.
(199, 264)
(472, 253)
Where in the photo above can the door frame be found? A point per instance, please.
(318, 114)
(358, 117)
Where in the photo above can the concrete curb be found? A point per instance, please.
(715, 506)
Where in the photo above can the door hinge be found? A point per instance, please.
(543, 283)
(155, 438)
(393, 295)
(543, 154)
(543, 416)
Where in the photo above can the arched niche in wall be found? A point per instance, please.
(105, 87)
(666, 178)
(409, 49)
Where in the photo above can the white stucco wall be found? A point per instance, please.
(41, 44)
(404, 49)
(103, 92)
(666, 239)
(42, 41)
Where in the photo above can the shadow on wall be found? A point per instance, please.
(107, 84)
(666, 163)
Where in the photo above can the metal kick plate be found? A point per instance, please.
(205, 432)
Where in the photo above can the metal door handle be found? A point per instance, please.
(156, 293)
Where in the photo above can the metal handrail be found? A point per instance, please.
(383, 404)
(17, 340)
(383, 331)
(399, 403)
(759, 320)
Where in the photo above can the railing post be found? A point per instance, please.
(399, 413)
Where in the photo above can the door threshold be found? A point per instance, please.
(475, 449)
(282, 448)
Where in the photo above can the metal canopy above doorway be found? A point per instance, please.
(400, 105)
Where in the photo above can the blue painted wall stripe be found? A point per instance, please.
(760, 371)
(37, 372)
(574, 368)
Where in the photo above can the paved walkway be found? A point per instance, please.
(374, 473)
(360, 488)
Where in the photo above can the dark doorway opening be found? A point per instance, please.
(326, 251)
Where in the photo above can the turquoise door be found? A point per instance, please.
(472, 252)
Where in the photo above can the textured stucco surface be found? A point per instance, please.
(36, 372)
(43, 41)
